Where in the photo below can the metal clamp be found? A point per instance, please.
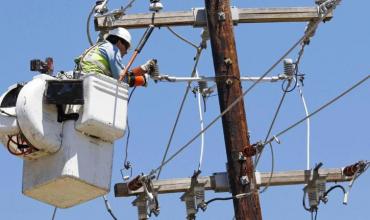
(194, 197)
(315, 189)
(146, 202)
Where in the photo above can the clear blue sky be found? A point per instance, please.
(337, 57)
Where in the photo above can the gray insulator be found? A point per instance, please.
(155, 72)
(200, 197)
(203, 86)
(288, 67)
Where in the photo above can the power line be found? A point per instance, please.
(197, 57)
(272, 169)
(182, 38)
(54, 212)
(307, 33)
(109, 209)
(320, 109)
(199, 97)
(273, 121)
(127, 165)
(300, 89)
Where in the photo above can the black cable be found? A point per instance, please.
(109, 209)
(127, 163)
(239, 196)
(304, 202)
(54, 212)
(204, 103)
(6, 113)
(219, 199)
(286, 89)
(334, 187)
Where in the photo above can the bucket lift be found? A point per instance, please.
(64, 131)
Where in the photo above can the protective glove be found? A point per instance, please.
(148, 66)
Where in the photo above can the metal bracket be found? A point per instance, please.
(147, 200)
(316, 188)
(194, 197)
(200, 18)
(221, 16)
(235, 15)
(244, 180)
(141, 203)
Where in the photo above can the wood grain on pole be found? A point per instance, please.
(225, 60)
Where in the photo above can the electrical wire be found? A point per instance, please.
(335, 187)
(108, 207)
(6, 113)
(197, 57)
(300, 89)
(304, 202)
(88, 26)
(314, 217)
(272, 170)
(201, 125)
(219, 199)
(129, 5)
(237, 100)
(127, 165)
(273, 122)
(54, 213)
(182, 38)
(320, 108)
(239, 196)
(23, 148)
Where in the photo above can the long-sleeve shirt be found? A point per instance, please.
(113, 55)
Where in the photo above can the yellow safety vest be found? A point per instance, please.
(92, 61)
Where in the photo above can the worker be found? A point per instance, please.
(105, 58)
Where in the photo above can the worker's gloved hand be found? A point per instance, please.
(148, 66)
(135, 81)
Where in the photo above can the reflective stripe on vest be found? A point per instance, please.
(94, 62)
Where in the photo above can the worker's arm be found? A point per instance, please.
(113, 56)
(145, 68)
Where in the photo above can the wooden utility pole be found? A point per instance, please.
(240, 172)
(240, 177)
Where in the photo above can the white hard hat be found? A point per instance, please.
(121, 33)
